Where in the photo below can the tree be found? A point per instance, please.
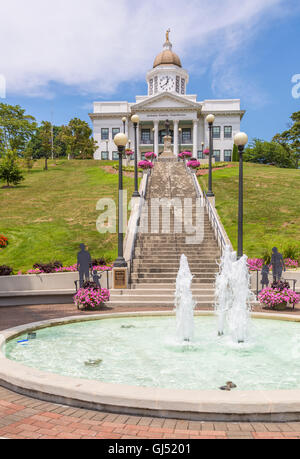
(291, 137)
(9, 169)
(28, 157)
(16, 128)
(235, 154)
(45, 137)
(273, 153)
(76, 137)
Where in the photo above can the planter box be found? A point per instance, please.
(56, 288)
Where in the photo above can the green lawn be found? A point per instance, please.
(271, 206)
(48, 215)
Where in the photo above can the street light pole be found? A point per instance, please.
(210, 120)
(180, 138)
(240, 140)
(124, 124)
(135, 120)
(120, 141)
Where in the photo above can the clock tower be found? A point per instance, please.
(167, 74)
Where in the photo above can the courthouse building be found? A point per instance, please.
(167, 98)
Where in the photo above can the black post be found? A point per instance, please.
(241, 204)
(210, 193)
(124, 127)
(120, 261)
(136, 193)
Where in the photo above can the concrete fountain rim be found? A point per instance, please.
(264, 405)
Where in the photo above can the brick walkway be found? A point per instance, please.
(23, 417)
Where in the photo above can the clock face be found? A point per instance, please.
(167, 83)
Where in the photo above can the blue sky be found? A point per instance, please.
(61, 59)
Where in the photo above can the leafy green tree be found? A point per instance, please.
(9, 169)
(235, 154)
(16, 128)
(45, 137)
(28, 157)
(291, 137)
(77, 139)
(273, 153)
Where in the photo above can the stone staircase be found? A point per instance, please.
(157, 254)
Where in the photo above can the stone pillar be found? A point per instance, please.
(176, 133)
(195, 138)
(156, 146)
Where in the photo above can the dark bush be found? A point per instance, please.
(280, 285)
(99, 262)
(5, 270)
(91, 285)
(48, 268)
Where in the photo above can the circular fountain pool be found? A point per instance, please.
(143, 351)
(140, 367)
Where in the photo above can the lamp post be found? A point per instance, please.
(124, 124)
(202, 145)
(210, 120)
(240, 140)
(120, 141)
(180, 133)
(135, 120)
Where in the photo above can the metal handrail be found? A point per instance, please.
(215, 224)
(141, 204)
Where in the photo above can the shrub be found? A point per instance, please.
(291, 252)
(145, 165)
(98, 262)
(48, 268)
(194, 164)
(3, 241)
(274, 297)
(91, 297)
(5, 271)
(9, 169)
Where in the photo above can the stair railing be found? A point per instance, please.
(214, 221)
(138, 222)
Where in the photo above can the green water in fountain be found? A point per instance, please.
(143, 351)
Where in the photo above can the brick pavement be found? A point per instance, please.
(22, 417)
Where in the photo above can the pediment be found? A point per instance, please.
(166, 101)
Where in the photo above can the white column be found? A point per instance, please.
(195, 138)
(156, 147)
(176, 124)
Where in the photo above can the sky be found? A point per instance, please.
(58, 57)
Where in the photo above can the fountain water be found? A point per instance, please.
(233, 296)
(184, 302)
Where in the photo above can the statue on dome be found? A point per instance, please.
(168, 35)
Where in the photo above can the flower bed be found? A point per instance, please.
(91, 298)
(194, 164)
(256, 264)
(68, 269)
(3, 241)
(185, 155)
(150, 155)
(145, 165)
(277, 297)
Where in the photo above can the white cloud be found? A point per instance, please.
(94, 45)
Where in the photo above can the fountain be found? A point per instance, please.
(233, 296)
(184, 302)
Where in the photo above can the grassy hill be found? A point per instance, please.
(271, 206)
(52, 212)
(48, 215)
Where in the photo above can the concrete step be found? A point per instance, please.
(170, 280)
(171, 286)
(154, 303)
(195, 272)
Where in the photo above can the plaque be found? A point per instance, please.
(120, 278)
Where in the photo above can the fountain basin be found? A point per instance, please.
(156, 400)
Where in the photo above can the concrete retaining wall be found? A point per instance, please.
(42, 288)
